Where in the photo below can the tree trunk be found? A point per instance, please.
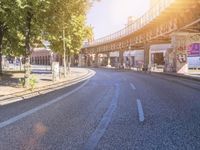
(64, 65)
(27, 46)
(64, 54)
(68, 63)
(20, 63)
(1, 46)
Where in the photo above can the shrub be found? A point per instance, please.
(32, 82)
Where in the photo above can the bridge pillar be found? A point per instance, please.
(108, 59)
(146, 56)
(121, 59)
(179, 45)
(97, 60)
(81, 61)
(86, 60)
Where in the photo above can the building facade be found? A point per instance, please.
(44, 56)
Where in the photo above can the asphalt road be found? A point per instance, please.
(114, 110)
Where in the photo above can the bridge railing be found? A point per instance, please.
(150, 15)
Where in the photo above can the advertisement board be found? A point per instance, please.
(194, 50)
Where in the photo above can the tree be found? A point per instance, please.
(80, 32)
(24, 22)
(7, 22)
(31, 13)
(66, 26)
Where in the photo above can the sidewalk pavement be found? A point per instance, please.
(192, 75)
(10, 91)
(184, 76)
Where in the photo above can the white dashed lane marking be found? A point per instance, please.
(133, 86)
(140, 110)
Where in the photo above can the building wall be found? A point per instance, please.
(43, 56)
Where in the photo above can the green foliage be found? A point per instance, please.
(43, 19)
(20, 25)
(7, 21)
(26, 22)
(32, 82)
(71, 17)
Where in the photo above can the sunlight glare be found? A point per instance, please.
(122, 9)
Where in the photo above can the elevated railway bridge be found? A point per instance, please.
(169, 21)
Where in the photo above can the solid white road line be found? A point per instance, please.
(140, 110)
(133, 86)
(27, 113)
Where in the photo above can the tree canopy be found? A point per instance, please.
(26, 22)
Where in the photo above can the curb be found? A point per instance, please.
(194, 85)
(181, 76)
(159, 73)
(45, 89)
(172, 75)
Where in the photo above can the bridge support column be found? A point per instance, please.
(86, 60)
(81, 61)
(96, 60)
(121, 59)
(108, 60)
(146, 56)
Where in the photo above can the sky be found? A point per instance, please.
(109, 16)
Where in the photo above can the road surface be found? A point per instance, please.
(114, 110)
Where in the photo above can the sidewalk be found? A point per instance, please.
(192, 75)
(185, 76)
(11, 91)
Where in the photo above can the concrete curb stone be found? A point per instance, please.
(161, 73)
(43, 90)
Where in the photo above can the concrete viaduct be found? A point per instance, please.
(169, 21)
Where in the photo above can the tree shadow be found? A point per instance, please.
(46, 79)
(41, 71)
(7, 79)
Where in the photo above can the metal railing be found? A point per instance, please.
(150, 15)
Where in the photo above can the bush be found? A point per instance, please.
(32, 82)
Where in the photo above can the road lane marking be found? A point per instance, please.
(102, 126)
(140, 110)
(133, 86)
(34, 110)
